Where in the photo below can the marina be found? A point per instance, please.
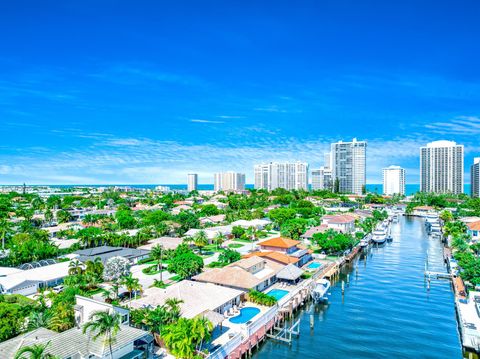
(386, 307)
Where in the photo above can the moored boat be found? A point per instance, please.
(319, 293)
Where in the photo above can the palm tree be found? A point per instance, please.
(201, 331)
(157, 254)
(131, 283)
(200, 240)
(219, 239)
(39, 320)
(104, 324)
(5, 226)
(36, 351)
(75, 267)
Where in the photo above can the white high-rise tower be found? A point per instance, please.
(349, 165)
(441, 167)
(192, 182)
(287, 175)
(393, 180)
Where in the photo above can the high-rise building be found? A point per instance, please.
(349, 166)
(393, 180)
(192, 182)
(229, 181)
(322, 178)
(287, 175)
(475, 178)
(441, 167)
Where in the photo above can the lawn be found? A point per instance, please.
(235, 245)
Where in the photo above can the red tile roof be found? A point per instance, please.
(279, 242)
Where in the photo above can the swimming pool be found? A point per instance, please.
(278, 293)
(314, 265)
(245, 315)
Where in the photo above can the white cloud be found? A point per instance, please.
(461, 125)
(196, 120)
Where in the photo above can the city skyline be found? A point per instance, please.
(148, 94)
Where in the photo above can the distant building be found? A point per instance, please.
(229, 181)
(349, 165)
(322, 178)
(475, 178)
(287, 175)
(441, 167)
(393, 180)
(192, 182)
(107, 252)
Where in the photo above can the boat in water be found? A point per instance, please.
(319, 293)
(379, 235)
(364, 243)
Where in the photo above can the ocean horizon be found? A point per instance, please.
(410, 189)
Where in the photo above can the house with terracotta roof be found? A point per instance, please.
(344, 223)
(278, 257)
(289, 247)
(474, 230)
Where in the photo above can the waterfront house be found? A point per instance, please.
(197, 297)
(278, 257)
(422, 211)
(246, 274)
(308, 235)
(107, 252)
(289, 247)
(474, 230)
(343, 223)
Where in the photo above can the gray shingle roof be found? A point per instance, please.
(71, 342)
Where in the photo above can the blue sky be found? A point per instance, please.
(147, 91)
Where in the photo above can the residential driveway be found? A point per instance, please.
(145, 279)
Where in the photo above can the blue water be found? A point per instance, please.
(278, 293)
(314, 265)
(410, 189)
(387, 310)
(245, 315)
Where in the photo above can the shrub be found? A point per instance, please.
(261, 298)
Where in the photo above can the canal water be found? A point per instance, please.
(387, 310)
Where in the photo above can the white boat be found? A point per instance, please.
(319, 293)
(379, 236)
(364, 243)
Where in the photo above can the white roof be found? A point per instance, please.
(252, 223)
(197, 297)
(40, 274)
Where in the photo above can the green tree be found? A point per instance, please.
(131, 283)
(63, 216)
(186, 264)
(281, 215)
(11, 320)
(201, 240)
(229, 256)
(157, 254)
(104, 324)
(294, 228)
(36, 351)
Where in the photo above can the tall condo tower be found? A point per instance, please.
(475, 178)
(192, 182)
(287, 175)
(441, 167)
(229, 181)
(393, 180)
(349, 165)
